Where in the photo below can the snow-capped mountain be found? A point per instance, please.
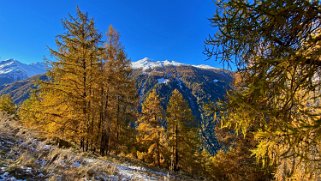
(146, 64)
(12, 70)
(199, 84)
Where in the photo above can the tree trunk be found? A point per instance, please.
(176, 148)
(158, 151)
(117, 121)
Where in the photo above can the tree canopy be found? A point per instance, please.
(275, 47)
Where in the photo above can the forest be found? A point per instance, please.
(268, 125)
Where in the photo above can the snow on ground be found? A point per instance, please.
(26, 156)
(6, 176)
(76, 164)
(162, 81)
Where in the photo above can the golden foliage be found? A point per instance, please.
(7, 105)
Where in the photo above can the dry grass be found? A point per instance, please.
(25, 154)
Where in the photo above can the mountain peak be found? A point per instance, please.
(12, 70)
(146, 59)
(147, 63)
(9, 61)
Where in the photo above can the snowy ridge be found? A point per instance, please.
(147, 64)
(14, 66)
(12, 70)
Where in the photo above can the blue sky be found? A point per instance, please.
(158, 29)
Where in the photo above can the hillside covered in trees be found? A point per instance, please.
(260, 121)
(90, 99)
(199, 86)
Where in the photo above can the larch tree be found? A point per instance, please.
(118, 95)
(90, 97)
(66, 100)
(275, 46)
(151, 134)
(179, 121)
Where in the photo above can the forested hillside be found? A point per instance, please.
(260, 120)
(21, 90)
(199, 85)
(91, 100)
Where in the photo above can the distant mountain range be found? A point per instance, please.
(199, 84)
(12, 70)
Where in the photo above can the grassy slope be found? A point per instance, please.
(26, 155)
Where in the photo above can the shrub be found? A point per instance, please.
(7, 105)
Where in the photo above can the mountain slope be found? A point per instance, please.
(12, 70)
(199, 84)
(20, 90)
(25, 155)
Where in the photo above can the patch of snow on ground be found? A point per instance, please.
(46, 147)
(89, 160)
(41, 162)
(162, 81)
(76, 164)
(28, 169)
(133, 173)
(7, 177)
